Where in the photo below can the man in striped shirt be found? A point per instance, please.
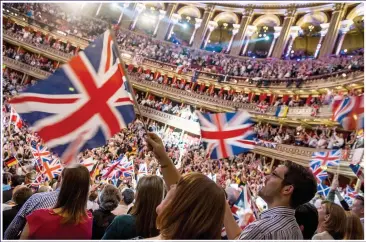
(36, 201)
(286, 188)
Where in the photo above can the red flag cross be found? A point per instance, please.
(325, 159)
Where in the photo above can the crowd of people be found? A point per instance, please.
(189, 58)
(320, 137)
(29, 58)
(168, 200)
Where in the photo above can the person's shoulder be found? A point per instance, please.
(127, 218)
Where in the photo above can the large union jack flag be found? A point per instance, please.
(326, 158)
(349, 112)
(226, 134)
(87, 97)
(319, 174)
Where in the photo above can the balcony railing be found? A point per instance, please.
(313, 82)
(301, 155)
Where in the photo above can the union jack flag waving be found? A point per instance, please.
(51, 169)
(357, 169)
(319, 173)
(226, 134)
(88, 97)
(349, 112)
(326, 158)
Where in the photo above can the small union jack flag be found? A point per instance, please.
(40, 151)
(238, 209)
(319, 173)
(226, 134)
(357, 169)
(323, 189)
(350, 192)
(349, 112)
(15, 118)
(52, 170)
(88, 97)
(326, 158)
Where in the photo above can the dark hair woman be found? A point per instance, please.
(141, 222)
(68, 219)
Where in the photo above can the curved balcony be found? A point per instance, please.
(278, 86)
(208, 102)
(301, 155)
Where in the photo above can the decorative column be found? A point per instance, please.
(212, 25)
(128, 16)
(165, 22)
(323, 32)
(235, 31)
(161, 16)
(175, 18)
(98, 10)
(294, 33)
(248, 35)
(275, 36)
(196, 26)
(285, 33)
(334, 26)
(345, 27)
(240, 37)
(139, 8)
(125, 6)
(200, 34)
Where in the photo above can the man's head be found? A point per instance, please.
(307, 219)
(128, 196)
(16, 180)
(30, 177)
(6, 178)
(21, 194)
(289, 185)
(357, 206)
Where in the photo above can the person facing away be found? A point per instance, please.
(185, 213)
(307, 218)
(354, 227)
(332, 222)
(20, 195)
(69, 218)
(102, 217)
(141, 222)
(37, 201)
(127, 198)
(286, 188)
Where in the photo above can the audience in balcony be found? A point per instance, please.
(189, 58)
(32, 59)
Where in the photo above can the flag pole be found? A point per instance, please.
(125, 75)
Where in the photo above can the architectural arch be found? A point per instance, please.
(227, 17)
(315, 18)
(191, 11)
(357, 11)
(270, 20)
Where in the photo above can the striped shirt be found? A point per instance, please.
(277, 223)
(36, 201)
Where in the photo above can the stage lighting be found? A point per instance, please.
(260, 35)
(267, 38)
(264, 35)
(185, 25)
(345, 50)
